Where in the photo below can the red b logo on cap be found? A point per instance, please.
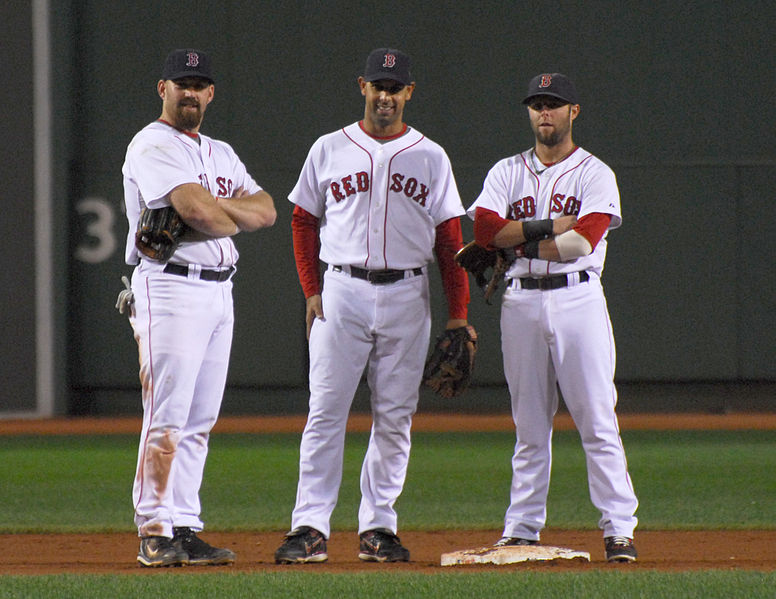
(390, 61)
(193, 60)
(546, 81)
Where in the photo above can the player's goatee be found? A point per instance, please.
(188, 119)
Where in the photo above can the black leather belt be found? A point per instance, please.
(379, 277)
(204, 275)
(547, 283)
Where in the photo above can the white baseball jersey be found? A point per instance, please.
(560, 338)
(183, 325)
(159, 159)
(379, 202)
(522, 188)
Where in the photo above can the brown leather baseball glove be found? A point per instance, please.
(158, 232)
(450, 366)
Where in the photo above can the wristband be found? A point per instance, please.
(534, 230)
(530, 249)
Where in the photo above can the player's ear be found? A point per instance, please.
(160, 89)
(362, 85)
(574, 112)
(410, 88)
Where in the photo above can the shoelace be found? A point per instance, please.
(620, 541)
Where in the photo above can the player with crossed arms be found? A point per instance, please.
(181, 311)
(381, 198)
(555, 327)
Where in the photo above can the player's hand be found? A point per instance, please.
(126, 299)
(314, 310)
(563, 224)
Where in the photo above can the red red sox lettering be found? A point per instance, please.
(352, 184)
(560, 204)
(224, 185)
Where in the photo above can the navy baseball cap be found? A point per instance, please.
(187, 63)
(552, 84)
(388, 63)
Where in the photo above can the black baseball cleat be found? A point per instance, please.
(381, 545)
(514, 541)
(620, 549)
(200, 553)
(302, 545)
(159, 552)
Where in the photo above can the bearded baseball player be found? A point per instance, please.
(555, 204)
(380, 199)
(181, 310)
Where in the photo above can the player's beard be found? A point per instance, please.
(552, 136)
(185, 119)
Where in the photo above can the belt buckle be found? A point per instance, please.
(545, 284)
(377, 277)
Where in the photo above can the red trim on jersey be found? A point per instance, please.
(549, 164)
(387, 137)
(593, 226)
(487, 224)
(388, 195)
(455, 281)
(191, 135)
(304, 230)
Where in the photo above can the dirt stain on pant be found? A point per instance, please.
(160, 452)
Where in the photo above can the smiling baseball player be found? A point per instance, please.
(181, 311)
(555, 204)
(381, 198)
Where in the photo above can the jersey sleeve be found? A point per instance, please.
(455, 280)
(306, 193)
(163, 166)
(495, 191)
(600, 193)
(240, 173)
(304, 227)
(449, 200)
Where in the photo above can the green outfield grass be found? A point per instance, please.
(684, 480)
(399, 585)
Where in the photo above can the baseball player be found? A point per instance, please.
(555, 204)
(181, 311)
(381, 199)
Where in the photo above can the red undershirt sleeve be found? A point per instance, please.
(593, 226)
(304, 228)
(455, 280)
(487, 224)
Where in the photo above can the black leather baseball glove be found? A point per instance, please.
(487, 266)
(158, 232)
(450, 366)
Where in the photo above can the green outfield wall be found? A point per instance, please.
(677, 98)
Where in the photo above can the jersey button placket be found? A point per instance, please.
(378, 205)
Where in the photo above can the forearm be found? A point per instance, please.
(304, 232)
(492, 230)
(455, 281)
(200, 210)
(250, 212)
(564, 248)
